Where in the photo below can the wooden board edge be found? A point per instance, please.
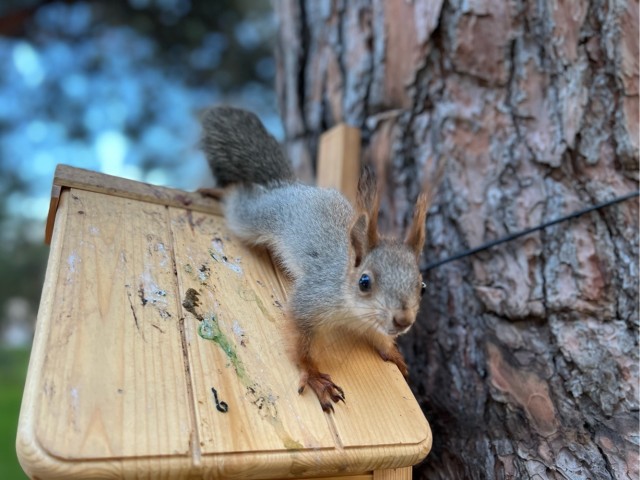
(253, 466)
(53, 209)
(404, 473)
(73, 177)
(27, 447)
(312, 463)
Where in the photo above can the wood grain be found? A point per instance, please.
(81, 179)
(395, 474)
(339, 160)
(114, 335)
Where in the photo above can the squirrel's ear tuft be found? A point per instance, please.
(417, 231)
(368, 200)
(358, 237)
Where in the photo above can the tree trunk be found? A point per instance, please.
(525, 356)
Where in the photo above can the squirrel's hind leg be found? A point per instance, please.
(321, 383)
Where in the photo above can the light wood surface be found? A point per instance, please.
(339, 160)
(81, 179)
(120, 379)
(395, 474)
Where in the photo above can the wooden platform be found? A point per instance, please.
(159, 353)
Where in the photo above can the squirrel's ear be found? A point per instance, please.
(417, 231)
(368, 200)
(358, 237)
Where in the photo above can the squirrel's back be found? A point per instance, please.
(240, 150)
(306, 227)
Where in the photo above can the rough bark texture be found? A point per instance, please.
(525, 358)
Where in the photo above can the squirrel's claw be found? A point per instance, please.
(338, 395)
(327, 407)
(324, 388)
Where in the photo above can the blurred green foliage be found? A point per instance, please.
(23, 271)
(13, 365)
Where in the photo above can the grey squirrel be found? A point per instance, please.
(345, 274)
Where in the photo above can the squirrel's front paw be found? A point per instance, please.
(323, 386)
(396, 357)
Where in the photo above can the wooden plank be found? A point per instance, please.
(53, 208)
(339, 160)
(115, 365)
(373, 389)
(31, 457)
(81, 179)
(365, 476)
(246, 362)
(396, 474)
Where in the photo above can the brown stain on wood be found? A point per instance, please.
(191, 303)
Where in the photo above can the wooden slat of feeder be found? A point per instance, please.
(339, 160)
(395, 474)
(81, 179)
(374, 389)
(248, 364)
(114, 365)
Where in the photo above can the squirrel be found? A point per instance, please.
(345, 274)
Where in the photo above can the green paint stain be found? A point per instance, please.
(264, 401)
(210, 330)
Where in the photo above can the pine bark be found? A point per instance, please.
(525, 357)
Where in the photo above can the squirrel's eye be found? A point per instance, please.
(365, 283)
(423, 288)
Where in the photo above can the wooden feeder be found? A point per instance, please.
(159, 353)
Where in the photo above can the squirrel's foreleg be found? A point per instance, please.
(321, 383)
(388, 351)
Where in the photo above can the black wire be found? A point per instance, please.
(513, 236)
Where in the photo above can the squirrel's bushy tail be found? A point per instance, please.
(240, 150)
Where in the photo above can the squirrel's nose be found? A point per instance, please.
(401, 320)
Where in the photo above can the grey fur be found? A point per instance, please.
(306, 230)
(240, 150)
(313, 233)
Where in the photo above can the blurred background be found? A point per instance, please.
(115, 87)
